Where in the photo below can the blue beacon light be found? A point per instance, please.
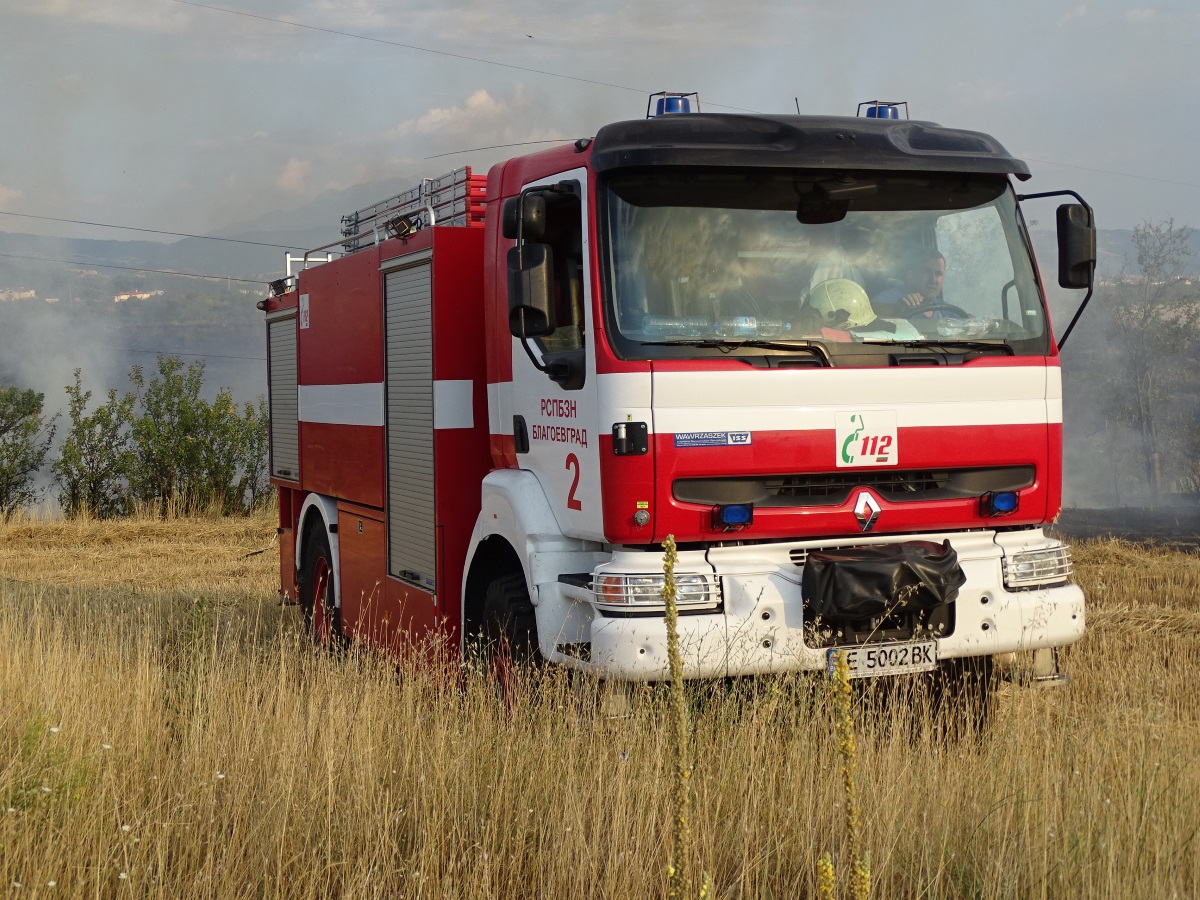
(671, 103)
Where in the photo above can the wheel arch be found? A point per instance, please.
(494, 557)
(319, 511)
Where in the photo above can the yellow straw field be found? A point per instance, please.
(166, 730)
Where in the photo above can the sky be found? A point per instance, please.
(170, 115)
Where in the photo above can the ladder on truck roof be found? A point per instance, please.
(455, 198)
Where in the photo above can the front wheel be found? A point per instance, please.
(962, 691)
(510, 625)
(321, 618)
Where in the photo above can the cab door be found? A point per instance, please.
(554, 382)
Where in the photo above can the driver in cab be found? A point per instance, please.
(919, 294)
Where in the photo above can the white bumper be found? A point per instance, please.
(761, 629)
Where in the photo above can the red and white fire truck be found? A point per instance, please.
(815, 350)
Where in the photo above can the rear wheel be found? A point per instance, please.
(321, 618)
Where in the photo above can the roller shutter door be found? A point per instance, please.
(285, 444)
(409, 354)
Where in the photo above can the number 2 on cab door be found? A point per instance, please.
(573, 466)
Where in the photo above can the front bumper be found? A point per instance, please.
(761, 628)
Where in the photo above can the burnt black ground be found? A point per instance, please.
(1177, 527)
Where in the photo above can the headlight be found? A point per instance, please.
(1037, 568)
(624, 591)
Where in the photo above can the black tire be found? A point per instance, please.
(962, 694)
(509, 622)
(321, 620)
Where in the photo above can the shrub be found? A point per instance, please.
(25, 436)
(93, 463)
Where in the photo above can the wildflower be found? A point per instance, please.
(126, 827)
(12, 809)
(46, 789)
(220, 776)
(123, 875)
(54, 729)
(51, 884)
(106, 746)
(826, 883)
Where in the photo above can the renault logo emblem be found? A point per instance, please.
(866, 510)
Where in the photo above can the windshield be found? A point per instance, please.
(705, 261)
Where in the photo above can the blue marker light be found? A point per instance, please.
(734, 517)
(1000, 503)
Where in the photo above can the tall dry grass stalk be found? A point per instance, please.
(859, 881)
(167, 731)
(678, 881)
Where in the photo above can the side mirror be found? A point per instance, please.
(1076, 246)
(526, 214)
(531, 291)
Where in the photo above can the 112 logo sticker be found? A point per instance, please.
(866, 438)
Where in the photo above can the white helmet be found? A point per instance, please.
(841, 303)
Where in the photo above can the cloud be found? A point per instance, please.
(8, 195)
(133, 15)
(1075, 14)
(482, 117)
(984, 91)
(1144, 16)
(294, 177)
(70, 85)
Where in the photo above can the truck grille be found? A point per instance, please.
(834, 488)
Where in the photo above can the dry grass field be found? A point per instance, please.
(166, 731)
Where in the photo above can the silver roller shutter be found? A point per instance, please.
(285, 442)
(409, 357)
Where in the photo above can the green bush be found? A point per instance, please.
(25, 436)
(164, 446)
(93, 462)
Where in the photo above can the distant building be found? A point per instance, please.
(136, 295)
(9, 294)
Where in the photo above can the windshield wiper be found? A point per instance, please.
(815, 348)
(942, 343)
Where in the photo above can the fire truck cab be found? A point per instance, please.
(814, 350)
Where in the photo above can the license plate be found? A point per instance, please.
(871, 660)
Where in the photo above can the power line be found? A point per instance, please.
(1048, 162)
(138, 350)
(75, 262)
(203, 237)
(497, 147)
(476, 59)
(182, 353)
(608, 84)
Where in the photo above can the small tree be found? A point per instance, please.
(94, 460)
(1155, 322)
(191, 454)
(253, 449)
(167, 437)
(234, 455)
(25, 436)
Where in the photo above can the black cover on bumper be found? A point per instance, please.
(882, 579)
